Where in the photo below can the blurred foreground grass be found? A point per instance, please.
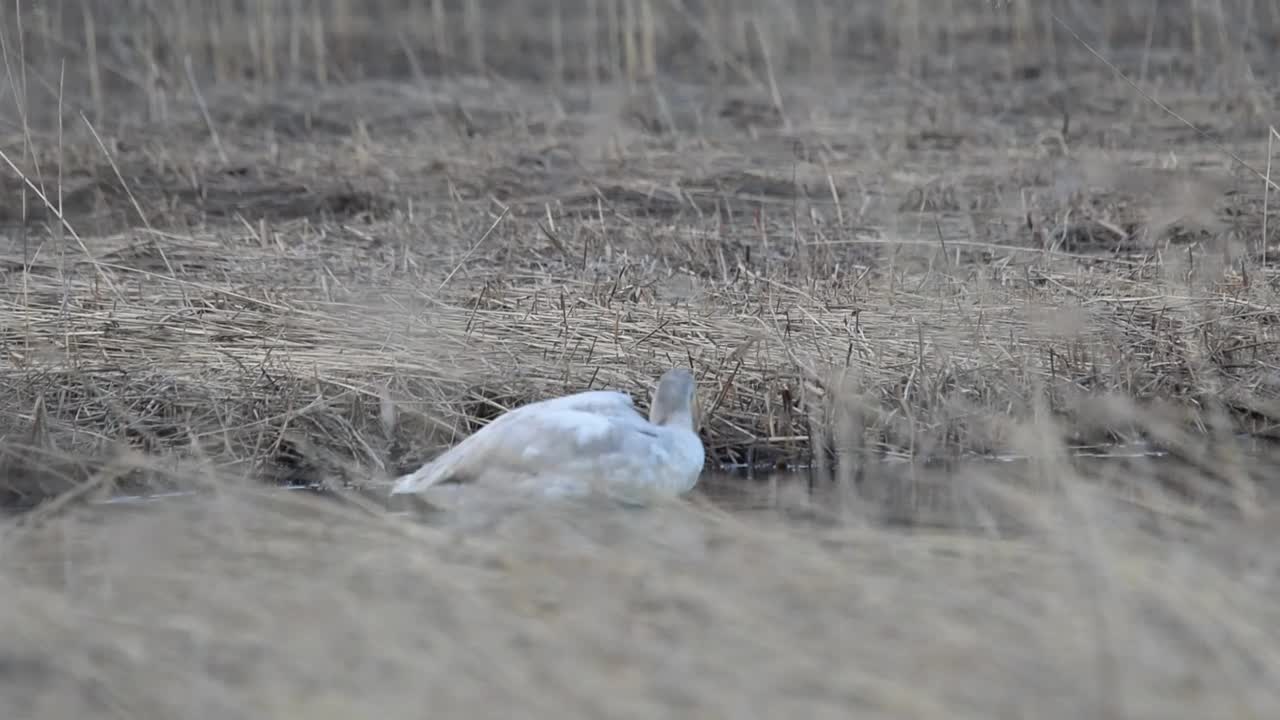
(261, 605)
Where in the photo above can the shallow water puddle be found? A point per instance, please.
(891, 490)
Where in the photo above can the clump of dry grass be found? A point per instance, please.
(236, 375)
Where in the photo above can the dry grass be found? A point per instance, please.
(315, 221)
(315, 242)
(259, 605)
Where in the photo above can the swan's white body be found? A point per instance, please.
(572, 444)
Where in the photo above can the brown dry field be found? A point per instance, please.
(252, 244)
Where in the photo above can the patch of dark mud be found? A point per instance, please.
(748, 113)
(284, 119)
(744, 186)
(1085, 236)
(90, 205)
(284, 201)
(383, 109)
(28, 679)
(937, 140)
(1130, 238)
(932, 197)
(19, 257)
(529, 180)
(142, 432)
(473, 121)
(99, 205)
(630, 202)
(61, 447)
(171, 257)
(30, 475)
(720, 195)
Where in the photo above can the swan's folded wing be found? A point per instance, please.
(534, 439)
(545, 443)
(604, 402)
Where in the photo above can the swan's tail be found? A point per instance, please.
(432, 473)
(410, 483)
(457, 464)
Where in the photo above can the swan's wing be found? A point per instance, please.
(573, 450)
(604, 402)
(558, 442)
(521, 440)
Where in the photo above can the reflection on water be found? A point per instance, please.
(983, 494)
(894, 494)
(740, 491)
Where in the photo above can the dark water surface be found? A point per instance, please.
(958, 495)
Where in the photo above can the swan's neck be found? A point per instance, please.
(678, 420)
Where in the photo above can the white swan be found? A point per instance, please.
(568, 445)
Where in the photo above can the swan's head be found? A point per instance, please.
(675, 400)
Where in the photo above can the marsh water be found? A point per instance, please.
(895, 491)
